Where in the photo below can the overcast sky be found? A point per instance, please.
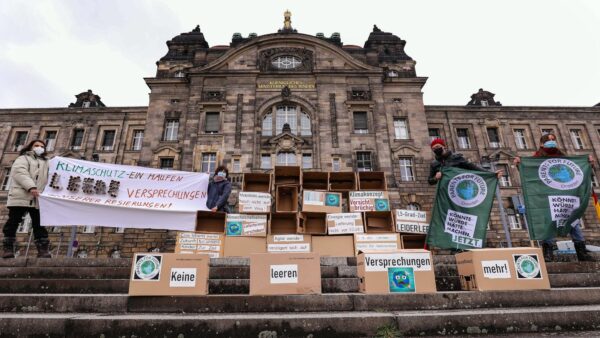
(540, 53)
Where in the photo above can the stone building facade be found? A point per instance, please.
(348, 108)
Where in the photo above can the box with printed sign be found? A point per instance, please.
(315, 180)
(334, 246)
(345, 223)
(169, 274)
(244, 246)
(289, 243)
(379, 221)
(377, 242)
(371, 180)
(321, 201)
(342, 181)
(361, 201)
(312, 223)
(254, 202)
(285, 274)
(502, 269)
(257, 182)
(411, 221)
(246, 225)
(403, 271)
(287, 175)
(199, 243)
(286, 198)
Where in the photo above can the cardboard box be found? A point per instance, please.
(285, 274)
(377, 242)
(210, 222)
(254, 202)
(345, 223)
(321, 201)
(246, 225)
(413, 241)
(502, 269)
(371, 180)
(244, 246)
(289, 243)
(404, 271)
(312, 223)
(342, 181)
(199, 243)
(286, 198)
(287, 175)
(315, 180)
(379, 221)
(257, 182)
(411, 221)
(334, 246)
(283, 224)
(369, 201)
(168, 274)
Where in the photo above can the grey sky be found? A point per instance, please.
(527, 52)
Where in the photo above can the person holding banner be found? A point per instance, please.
(549, 148)
(219, 190)
(29, 175)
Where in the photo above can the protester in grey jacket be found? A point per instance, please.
(28, 177)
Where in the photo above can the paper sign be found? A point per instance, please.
(254, 202)
(412, 227)
(496, 269)
(383, 261)
(284, 274)
(369, 201)
(290, 247)
(345, 223)
(183, 278)
(411, 215)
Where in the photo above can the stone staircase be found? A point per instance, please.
(88, 297)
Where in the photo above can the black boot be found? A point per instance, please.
(581, 251)
(548, 252)
(42, 245)
(9, 247)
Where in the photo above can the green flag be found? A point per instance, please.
(463, 201)
(556, 192)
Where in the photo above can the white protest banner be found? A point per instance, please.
(93, 193)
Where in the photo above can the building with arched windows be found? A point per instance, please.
(289, 98)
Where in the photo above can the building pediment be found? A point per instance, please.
(286, 141)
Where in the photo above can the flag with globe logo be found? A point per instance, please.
(461, 210)
(556, 191)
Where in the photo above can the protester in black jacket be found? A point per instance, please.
(218, 190)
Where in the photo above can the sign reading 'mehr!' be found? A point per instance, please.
(291, 84)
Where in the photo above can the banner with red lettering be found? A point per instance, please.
(94, 193)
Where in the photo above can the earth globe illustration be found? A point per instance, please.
(561, 173)
(527, 266)
(147, 267)
(467, 190)
(401, 279)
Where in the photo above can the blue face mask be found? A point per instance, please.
(222, 174)
(550, 144)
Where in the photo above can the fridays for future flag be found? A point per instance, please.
(463, 202)
(556, 192)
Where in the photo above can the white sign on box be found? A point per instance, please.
(496, 269)
(183, 278)
(254, 201)
(345, 223)
(411, 215)
(289, 247)
(284, 274)
(381, 262)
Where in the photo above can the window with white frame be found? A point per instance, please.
(138, 138)
(209, 162)
(108, 140)
(265, 161)
(236, 165)
(400, 129)
(167, 163)
(463, 138)
(50, 139)
(364, 161)
(546, 131)
(267, 125)
(298, 120)
(286, 114)
(171, 130)
(514, 219)
(286, 62)
(361, 125)
(577, 138)
(307, 161)
(335, 164)
(305, 129)
(77, 139)
(406, 169)
(286, 158)
(520, 138)
(20, 140)
(5, 180)
(505, 178)
(434, 133)
(493, 137)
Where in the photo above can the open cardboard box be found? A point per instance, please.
(345, 223)
(289, 243)
(334, 246)
(257, 182)
(377, 242)
(210, 222)
(246, 225)
(244, 246)
(288, 175)
(342, 181)
(285, 274)
(413, 241)
(321, 201)
(283, 223)
(312, 223)
(371, 180)
(315, 180)
(199, 243)
(254, 202)
(286, 198)
(379, 221)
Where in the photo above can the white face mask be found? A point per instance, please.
(38, 150)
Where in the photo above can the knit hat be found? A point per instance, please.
(438, 141)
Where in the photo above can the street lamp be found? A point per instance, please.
(489, 163)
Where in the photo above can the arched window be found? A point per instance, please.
(298, 120)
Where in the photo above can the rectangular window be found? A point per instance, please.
(171, 130)
(463, 138)
(400, 129)
(50, 139)
(546, 131)
(514, 219)
(360, 122)
(5, 179)
(335, 164)
(434, 133)
(108, 140)
(265, 161)
(406, 169)
(286, 158)
(211, 125)
(286, 114)
(363, 161)
(236, 165)
(20, 139)
(305, 129)
(89, 229)
(307, 161)
(505, 178)
(577, 138)
(138, 138)
(77, 140)
(267, 125)
(520, 138)
(493, 137)
(167, 163)
(209, 162)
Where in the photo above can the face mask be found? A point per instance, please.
(438, 151)
(38, 150)
(550, 144)
(222, 174)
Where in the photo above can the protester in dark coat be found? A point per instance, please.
(219, 190)
(549, 148)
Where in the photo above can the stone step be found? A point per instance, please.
(518, 320)
(122, 303)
